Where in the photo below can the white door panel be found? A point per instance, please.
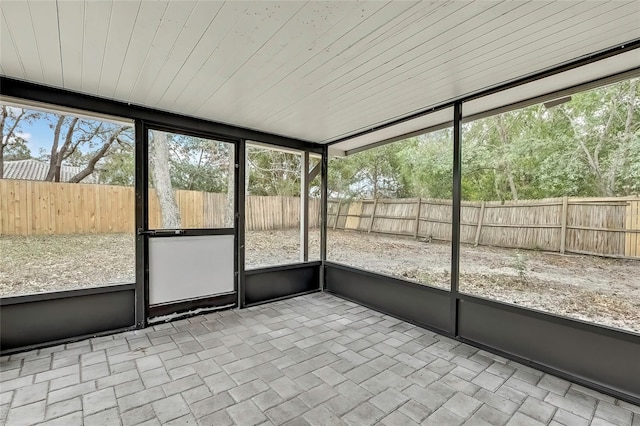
(182, 268)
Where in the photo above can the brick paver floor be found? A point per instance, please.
(315, 360)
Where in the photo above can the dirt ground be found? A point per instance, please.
(600, 290)
(41, 263)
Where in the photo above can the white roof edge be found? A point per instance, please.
(336, 152)
(44, 107)
(270, 147)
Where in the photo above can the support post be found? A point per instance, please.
(455, 222)
(304, 208)
(563, 223)
(479, 228)
(373, 215)
(241, 184)
(324, 161)
(417, 227)
(335, 223)
(141, 222)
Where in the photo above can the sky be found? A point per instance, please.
(38, 135)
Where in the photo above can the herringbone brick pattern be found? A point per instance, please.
(312, 360)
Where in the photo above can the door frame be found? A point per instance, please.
(142, 308)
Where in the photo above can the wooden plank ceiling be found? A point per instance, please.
(317, 71)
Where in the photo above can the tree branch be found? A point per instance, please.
(97, 156)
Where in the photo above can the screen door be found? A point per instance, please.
(190, 231)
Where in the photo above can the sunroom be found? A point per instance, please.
(320, 212)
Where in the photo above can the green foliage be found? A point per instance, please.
(273, 172)
(426, 165)
(375, 173)
(198, 164)
(17, 151)
(13, 141)
(118, 168)
(519, 263)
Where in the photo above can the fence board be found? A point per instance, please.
(354, 213)
(632, 222)
(435, 219)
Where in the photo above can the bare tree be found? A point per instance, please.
(159, 165)
(70, 134)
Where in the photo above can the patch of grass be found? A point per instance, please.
(519, 263)
(33, 264)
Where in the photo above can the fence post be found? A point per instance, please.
(563, 219)
(632, 238)
(373, 215)
(415, 231)
(479, 228)
(335, 224)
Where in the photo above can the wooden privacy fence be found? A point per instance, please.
(600, 226)
(34, 207)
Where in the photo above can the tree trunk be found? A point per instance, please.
(159, 164)
(54, 150)
(503, 133)
(229, 208)
(5, 139)
(496, 186)
(512, 184)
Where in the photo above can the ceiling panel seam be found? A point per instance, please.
(13, 42)
(163, 20)
(126, 52)
(35, 40)
(104, 53)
